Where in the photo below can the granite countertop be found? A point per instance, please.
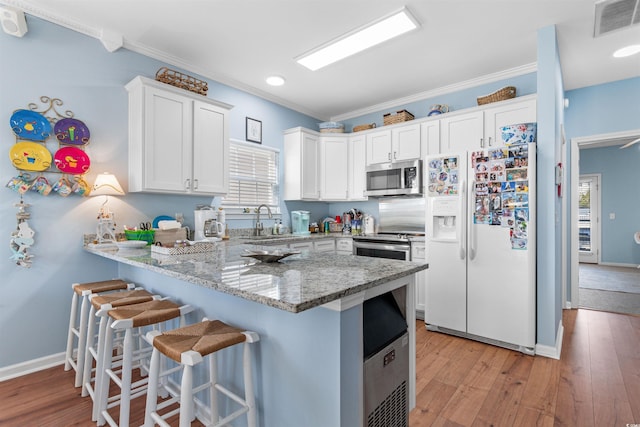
(296, 283)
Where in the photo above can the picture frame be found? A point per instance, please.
(254, 130)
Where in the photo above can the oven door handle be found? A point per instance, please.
(385, 246)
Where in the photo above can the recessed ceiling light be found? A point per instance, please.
(627, 51)
(275, 80)
(362, 38)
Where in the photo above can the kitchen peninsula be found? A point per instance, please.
(308, 310)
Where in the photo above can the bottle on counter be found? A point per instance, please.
(275, 228)
(280, 227)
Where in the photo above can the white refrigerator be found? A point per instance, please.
(481, 241)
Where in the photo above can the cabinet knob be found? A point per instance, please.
(490, 144)
(187, 184)
(195, 184)
(481, 142)
(389, 156)
(395, 155)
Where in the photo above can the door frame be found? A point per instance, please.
(601, 140)
(595, 231)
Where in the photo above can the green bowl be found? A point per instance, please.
(146, 235)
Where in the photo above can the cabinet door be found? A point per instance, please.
(344, 246)
(328, 245)
(405, 142)
(301, 246)
(167, 141)
(418, 253)
(210, 150)
(430, 138)
(379, 147)
(496, 118)
(462, 133)
(309, 173)
(334, 170)
(357, 167)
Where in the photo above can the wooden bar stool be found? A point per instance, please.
(125, 319)
(78, 320)
(188, 346)
(95, 346)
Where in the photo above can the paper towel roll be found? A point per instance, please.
(169, 225)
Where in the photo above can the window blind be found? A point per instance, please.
(253, 176)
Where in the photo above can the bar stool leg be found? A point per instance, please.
(249, 397)
(97, 385)
(186, 398)
(72, 323)
(125, 391)
(152, 387)
(102, 397)
(88, 359)
(213, 393)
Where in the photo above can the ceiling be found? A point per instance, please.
(241, 42)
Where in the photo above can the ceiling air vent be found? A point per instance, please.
(614, 15)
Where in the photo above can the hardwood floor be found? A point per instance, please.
(459, 382)
(595, 383)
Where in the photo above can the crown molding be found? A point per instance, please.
(490, 78)
(97, 33)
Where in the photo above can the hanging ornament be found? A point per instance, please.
(22, 238)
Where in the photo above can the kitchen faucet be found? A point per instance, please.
(259, 228)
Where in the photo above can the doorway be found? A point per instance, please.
(574, 258)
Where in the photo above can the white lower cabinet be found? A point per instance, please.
(301, 246)
(324, 245)
(419, 253)
(344, 245)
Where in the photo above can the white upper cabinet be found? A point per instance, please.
(301, 181)
(464, 132)
(405, 142)
(357, 164)
(497, 117)
(178, 141)
(430, 137)
(334, 168)
(402, 142)
(481, 129)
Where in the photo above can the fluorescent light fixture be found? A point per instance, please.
(275, 80)
(372, 34)
(627, 51)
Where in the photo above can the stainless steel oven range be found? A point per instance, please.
(400, 223)
(392, 246)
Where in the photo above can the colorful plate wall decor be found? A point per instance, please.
(30, 156)
(72, 160)
(71, 131)
(30, 125)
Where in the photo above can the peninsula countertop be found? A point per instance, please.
(297, 283)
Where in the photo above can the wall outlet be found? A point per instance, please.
(612, 215)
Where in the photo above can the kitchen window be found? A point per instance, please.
(253, 176)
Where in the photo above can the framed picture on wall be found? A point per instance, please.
(254, 130)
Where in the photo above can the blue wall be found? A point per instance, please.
(549, 210)
(620, 194)
(59, 63)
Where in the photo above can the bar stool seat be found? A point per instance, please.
(125, 319)
(188, 346)
(95, 347)
(78, 320)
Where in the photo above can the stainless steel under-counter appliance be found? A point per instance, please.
(401, 223)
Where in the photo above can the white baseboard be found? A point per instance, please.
(552, 352)
(618, 264)
(30, 366)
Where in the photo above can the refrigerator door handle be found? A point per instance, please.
(472, 243)
(463, 210)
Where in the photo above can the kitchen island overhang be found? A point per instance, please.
(307, 310)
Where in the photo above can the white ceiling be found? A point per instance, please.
(241, 42)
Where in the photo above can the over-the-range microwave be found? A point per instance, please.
(394, 179)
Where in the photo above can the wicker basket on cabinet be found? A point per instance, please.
(399, 117)
(503, 94)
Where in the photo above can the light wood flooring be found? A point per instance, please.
(459, 382)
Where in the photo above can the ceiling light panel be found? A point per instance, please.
(370, 35)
